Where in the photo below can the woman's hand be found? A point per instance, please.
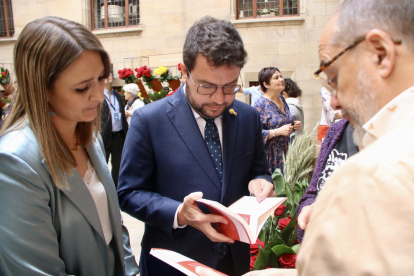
(128, 113)
(297, 125)
(285, 130)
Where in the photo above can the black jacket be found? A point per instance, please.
(106, 120)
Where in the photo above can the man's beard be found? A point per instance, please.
(363, 108)
(200, 108)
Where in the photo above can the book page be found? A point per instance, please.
(178, 261)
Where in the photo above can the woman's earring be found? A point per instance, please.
(51, 114)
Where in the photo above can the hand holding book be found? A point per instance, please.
(191, 215)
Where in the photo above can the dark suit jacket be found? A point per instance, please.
(165, 158)
(106, 120)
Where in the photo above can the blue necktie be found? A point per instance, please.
(212, 138)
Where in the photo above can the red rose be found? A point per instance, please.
(4, 73)
(283, 223)
(145, 67)
(136, 69)
(124, 70)
(119, 71)
(287, 260)
(252, 261)
(121, 76)
(279, 210)
(179, 66)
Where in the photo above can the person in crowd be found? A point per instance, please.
(361, 222)
(255, 92)
(293, 97)
(114, 127)
(337, 147)
(134, 101)
(199, 142)
(59, 211)
(276, 120)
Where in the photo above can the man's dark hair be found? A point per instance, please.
(292, 89)
(217, 40)
(265, 75)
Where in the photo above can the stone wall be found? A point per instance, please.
(289, 43)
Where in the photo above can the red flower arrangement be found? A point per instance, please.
(127, 75)
(287, 260)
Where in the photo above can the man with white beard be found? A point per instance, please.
(362, 221)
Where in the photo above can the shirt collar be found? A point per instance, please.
(395, 113)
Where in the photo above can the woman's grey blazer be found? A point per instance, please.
(47, 231)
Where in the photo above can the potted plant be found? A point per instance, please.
(5, 81)
(165, 75)
(149, 78)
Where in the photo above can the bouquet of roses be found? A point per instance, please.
(127, 75)
(277, 244)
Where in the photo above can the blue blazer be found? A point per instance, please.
(165, 158)
(47, 231)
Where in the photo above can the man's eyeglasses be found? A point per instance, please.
(208, 89)
(326, 82)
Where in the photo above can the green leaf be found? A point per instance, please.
(293, 237)
(272, 260)
(262, 235)
(276, 241)
(278, 182)
(262, 258)
(282, 249)
(296, 248)
(287, 231)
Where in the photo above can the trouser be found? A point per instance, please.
(115, 151)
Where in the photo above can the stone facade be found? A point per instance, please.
(289, 43)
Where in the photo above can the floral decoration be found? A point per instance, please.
(4, 76)
(127, 75)
(278, 244)
(146, 74)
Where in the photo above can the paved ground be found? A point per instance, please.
(136, 230)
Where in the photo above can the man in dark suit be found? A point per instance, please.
(197, 143)
(114, 127)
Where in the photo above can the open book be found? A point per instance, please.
(178, 261)
(246, 216)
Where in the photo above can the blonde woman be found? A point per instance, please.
(59, 210)
(134, 102)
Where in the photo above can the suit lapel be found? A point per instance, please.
(79, 194)
(230, 129)
(182, 118)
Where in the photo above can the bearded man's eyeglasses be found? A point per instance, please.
(325, 81)
(208, 89)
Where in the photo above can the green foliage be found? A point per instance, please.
(299, 165)
(155, 96)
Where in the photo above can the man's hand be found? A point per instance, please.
(304, 216)
(261, 189)
(297, 125)
(191, 215)
(285, 130)
(204, 271)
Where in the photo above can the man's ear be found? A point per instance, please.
(184, 69)
(383, 49)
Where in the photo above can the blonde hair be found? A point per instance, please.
(43, 50)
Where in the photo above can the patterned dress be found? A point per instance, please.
(272, 117)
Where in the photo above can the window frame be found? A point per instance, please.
(6, 19)
(106, 27)
(255, 11)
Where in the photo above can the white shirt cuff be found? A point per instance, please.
(175, 225)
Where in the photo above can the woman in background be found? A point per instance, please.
(277, 121)
(293, 97)
(59, 211)
(134, 101)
